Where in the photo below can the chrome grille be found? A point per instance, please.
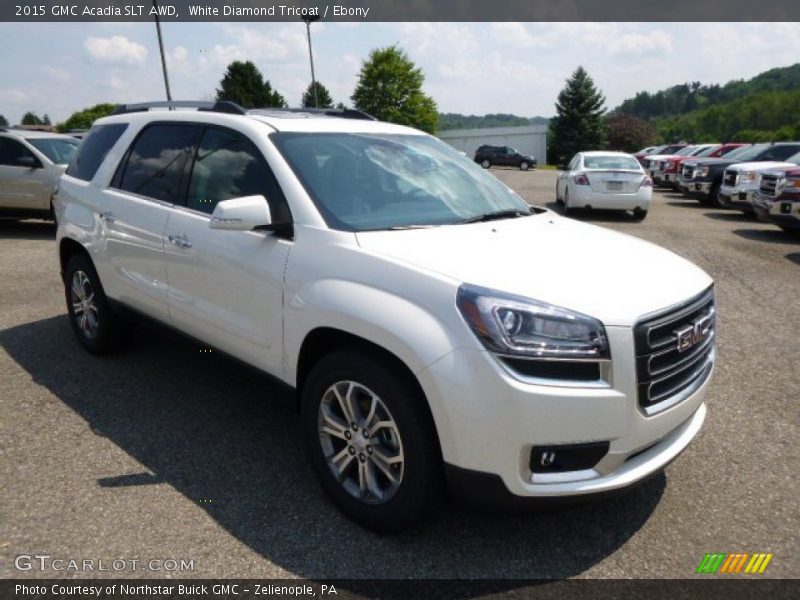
(731, 178)
(770, 184)
(666, 373)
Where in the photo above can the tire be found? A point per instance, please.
(639, 214)
(567, 210)
(486, 163)
(559, 201)
(377, 502)
(713, 197)
(523, 166)
(52, 215)
(93, 320)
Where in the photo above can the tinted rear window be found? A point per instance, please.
(156, 163)
(93, 150)
(59, 150)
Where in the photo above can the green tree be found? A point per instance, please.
(31, 118)
(3, 121)
(322, 99)
(390, 89)
(627, 133)
(83, 119)
(244, 84)
(578, 124)
(46, 119)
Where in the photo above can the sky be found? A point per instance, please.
(470, 68)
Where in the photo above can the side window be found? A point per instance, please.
(228, 165)
(11, 151)
(93, 150)
(157, 161)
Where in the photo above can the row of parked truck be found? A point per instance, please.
(759, 179)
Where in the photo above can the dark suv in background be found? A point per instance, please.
(505, 156)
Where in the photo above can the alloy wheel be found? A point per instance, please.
(360, 442)
(84, 307)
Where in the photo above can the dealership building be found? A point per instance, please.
(529, 139)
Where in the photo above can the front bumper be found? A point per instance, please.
(761, 206)
(738, 199)
(786, 214)
(699, 188)
(489, 421)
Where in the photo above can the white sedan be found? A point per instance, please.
(609, 180)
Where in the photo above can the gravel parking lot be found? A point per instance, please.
(168, 452)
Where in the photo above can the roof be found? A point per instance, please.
(278, 119)
(30, 134)
(605, 153)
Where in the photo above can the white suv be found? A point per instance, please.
(439, 331)
(30, 164)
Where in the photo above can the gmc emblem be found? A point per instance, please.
(693, 334)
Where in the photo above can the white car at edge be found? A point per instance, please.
(439, 331)
(607, 180)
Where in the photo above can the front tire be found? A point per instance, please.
(713, 197)
(523, 166)
(639, 214)
(93, 320)
(371, 441)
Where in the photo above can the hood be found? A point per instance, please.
(707, 161)
(760, 166)
(611, 276)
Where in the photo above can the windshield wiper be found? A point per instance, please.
(399, 227)
(500, 214)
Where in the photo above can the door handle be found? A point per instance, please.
(108, 216)
(180, 241)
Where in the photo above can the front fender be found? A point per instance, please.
(398, 325)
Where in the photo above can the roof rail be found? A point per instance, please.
(222, 106)
(342, 113)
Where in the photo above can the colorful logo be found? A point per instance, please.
(736, 563)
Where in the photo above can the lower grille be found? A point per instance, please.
(674, 352)
(731, 178)
(769, 184)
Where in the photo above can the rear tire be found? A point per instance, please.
(639, 214)
(93, 320)
(486, 163)
(567, 210)
(345, 399)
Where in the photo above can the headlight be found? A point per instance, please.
(517, 326)
(701, 172)
(748, 176)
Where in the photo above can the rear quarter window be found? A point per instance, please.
(93, 150)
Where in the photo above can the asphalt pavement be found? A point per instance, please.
(164, 452)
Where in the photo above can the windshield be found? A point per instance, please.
(750, 152)
(611, 161)
(686, 151)
(362, 182)
(58, 150)
(708, 151)
(737, 152)
(795, 158)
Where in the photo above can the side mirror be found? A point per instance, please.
(29, 162)
(241, 214)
